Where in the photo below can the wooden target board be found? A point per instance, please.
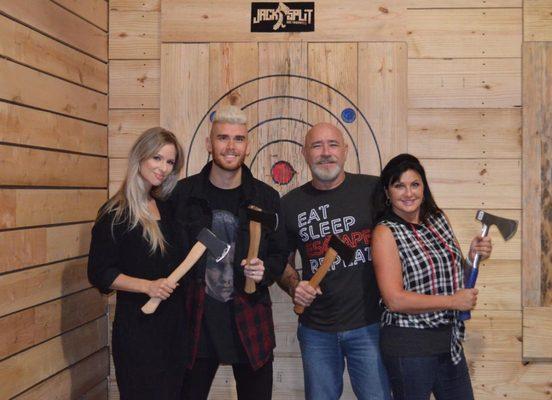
(285, 88)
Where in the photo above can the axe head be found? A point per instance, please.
(345, 252)
(267, 219)
(216, 247)
(506, 227)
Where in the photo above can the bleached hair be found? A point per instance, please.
(230, 114)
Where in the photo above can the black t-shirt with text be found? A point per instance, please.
(219, 337)
(350, 294)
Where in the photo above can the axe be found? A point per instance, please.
(335, 248)
(257, 217)
(506, 227)
(206, 240)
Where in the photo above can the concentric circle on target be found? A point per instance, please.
(282, 171)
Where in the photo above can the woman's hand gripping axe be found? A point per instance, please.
(257, 217)
(335, 248)
(506, 227)
(206, 240)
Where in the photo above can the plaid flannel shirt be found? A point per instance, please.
(253, 312)
(432, 264)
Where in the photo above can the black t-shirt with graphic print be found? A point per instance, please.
(219, 337)
(350, 294)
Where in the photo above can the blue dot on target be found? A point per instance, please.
(348, 115)
(212, 116)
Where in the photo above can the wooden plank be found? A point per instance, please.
(465, 133)
(54, 280)
(282, 58)
(135, 5)
(99, 392)
(125, 126)
(466, 227)
(537, 267)
(537, 333)
(53, 20)
(537, 20)
(231, 64)
(29, 367)
(222, 20)
(26, 126)
(134, 84)
(468, 183)
(94, 11)
(413, 4)
(464, 33)
(493, 380)
(20, 166)
(499, 285)
(118, 169)
(73, 382)
(185, 98)
(29, 247)
(464, 83)
(114, 186)
(26, 86)
(335, 64)
(29, 47)
(134, 35)
(32, 326)
(382, 71)
(31, 207)
(493, 336)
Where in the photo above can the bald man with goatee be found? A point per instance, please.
(340, 325)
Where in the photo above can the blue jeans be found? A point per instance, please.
(324, 355)
(415, 378)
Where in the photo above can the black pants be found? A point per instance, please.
(250, 385)
(415, 378)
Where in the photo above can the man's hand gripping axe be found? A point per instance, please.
(506, 227)
(206, 240)
(335, 248)
(257, 217)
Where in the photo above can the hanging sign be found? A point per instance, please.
(282, 17)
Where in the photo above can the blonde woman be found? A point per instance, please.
(132, 251)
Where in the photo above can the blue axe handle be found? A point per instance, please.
(465, 315)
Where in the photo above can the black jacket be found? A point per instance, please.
(190, 204)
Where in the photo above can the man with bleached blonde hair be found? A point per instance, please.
(229, 326)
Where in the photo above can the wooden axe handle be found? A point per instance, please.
(320, 273)
(253, 252)
(195, 253)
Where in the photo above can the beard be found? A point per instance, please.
(324, 174)
(218, 159)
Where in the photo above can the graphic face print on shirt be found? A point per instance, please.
(219, 277)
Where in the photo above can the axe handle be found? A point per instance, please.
(195, 253)
(253, 252)
(465, 315)
(320, 273)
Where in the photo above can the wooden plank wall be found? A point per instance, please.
(537, 158)
(464, 121)
(53, 178)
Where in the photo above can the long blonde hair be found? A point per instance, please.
(130, 203)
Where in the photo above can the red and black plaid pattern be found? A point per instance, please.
(253, 321)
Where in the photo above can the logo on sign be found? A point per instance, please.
(282, 17)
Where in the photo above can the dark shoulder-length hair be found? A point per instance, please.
(391, 174)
